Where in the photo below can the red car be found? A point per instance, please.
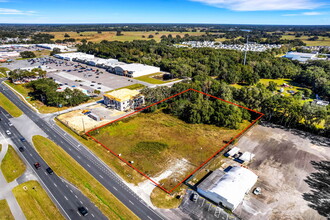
(37, 165)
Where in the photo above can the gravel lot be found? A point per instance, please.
(282, 162)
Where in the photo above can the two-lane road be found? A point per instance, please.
(61, 193)
(88, 160)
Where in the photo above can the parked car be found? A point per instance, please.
(8, 132)
(37, 165)
(194, 197)
(257, 191)
(49, 170)
(23, 139)
(83, 211)
(21, 149)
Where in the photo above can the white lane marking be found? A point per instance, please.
(55, 185)
(78, 213)
(101, 176)
(115, 188)
(93, 215)
(31, 155)
(88, 165)
(76, 196)
(79, 157)
(71, 191)
(81, 202)
(69, 149)
(149, 217)
(131, 202)
(65, 198)
(66, 185)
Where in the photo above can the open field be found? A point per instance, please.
(66, 167)
(151, 79)
(9, 106)
(127, 173)
(12, 166)
(35, 202)
(5, 212)
(176, 148)
(322, 41)
(93, 36)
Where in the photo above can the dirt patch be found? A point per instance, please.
(81, 123)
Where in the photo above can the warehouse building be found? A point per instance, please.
(301, 57)
(134, 70)
(229, 189)
(52, 46)
(123, 99)
(75, 56)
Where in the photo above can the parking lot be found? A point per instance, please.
(202, 208)
(74, 74)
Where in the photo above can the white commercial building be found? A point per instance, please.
(230, 189)
(52, 46)
(74, 56)
(301, 57)
(134, 70)
(111, 65)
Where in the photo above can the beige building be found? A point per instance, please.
(123, 99)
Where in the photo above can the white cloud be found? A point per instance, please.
(8, 11)
(312, 13)
(305, 13)
(262, 5)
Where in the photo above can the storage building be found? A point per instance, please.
(230, 189)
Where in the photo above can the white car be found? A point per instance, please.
(10, 124)
(8, 132)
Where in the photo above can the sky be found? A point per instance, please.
(282, 12)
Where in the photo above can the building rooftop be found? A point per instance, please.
(122, 94)
(233, 185)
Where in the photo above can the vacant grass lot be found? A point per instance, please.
(68, 168)
(157, 142)
(150, 79)
(127, 35)
(322, 41)
(35, 202)
(9, 106)
(12, 166)
(5, 212)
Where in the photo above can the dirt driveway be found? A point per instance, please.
(282, 162)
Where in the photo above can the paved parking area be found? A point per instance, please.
(78, 75)
(202, 208)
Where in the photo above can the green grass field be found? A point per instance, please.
(9, 106)
(65, 166)
(35, 202)
(93, 36)
(165, 139)
(5, 212)
(12, 166)
(150, 79)
(322, 41)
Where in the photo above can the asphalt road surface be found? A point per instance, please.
(88, 160)
(61, 193)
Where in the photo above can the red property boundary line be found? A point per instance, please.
(143, 174)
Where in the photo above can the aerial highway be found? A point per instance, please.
(87, 159)
(67, 199)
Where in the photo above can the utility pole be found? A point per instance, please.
(247, 42)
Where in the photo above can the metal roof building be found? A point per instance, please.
(230, 189)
